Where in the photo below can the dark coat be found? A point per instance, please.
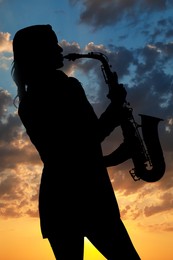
(75, 190)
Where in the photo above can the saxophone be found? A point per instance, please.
(146, 151)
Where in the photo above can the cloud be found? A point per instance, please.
(5, 55)
(18, 178)
(19, 192)
(5, 42)
(5, 101)
(102, 13)
(149, 205)
(166, 204)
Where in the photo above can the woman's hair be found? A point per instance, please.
(29, 51)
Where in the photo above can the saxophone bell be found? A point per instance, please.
(146, 154)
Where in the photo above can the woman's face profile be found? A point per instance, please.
(38, 46)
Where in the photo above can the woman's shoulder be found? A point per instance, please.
(76, 84)
(74, 81)
(62, 75)
(70, 82)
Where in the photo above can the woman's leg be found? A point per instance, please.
(67, 247)
(112, 240)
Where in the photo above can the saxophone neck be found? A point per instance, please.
(93, 55)
(109, 76)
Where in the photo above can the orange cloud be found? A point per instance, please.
(5, 42)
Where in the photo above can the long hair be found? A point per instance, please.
(19, 80)
(29, 50)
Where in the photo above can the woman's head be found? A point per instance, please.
(35, 50)
(36, 44)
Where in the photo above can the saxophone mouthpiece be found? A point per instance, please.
(72, 56)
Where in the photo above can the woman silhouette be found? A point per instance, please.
(76, 198)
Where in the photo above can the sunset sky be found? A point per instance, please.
(137, 38)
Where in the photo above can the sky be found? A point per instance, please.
(137, 38)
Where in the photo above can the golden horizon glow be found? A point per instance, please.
(21, 239)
